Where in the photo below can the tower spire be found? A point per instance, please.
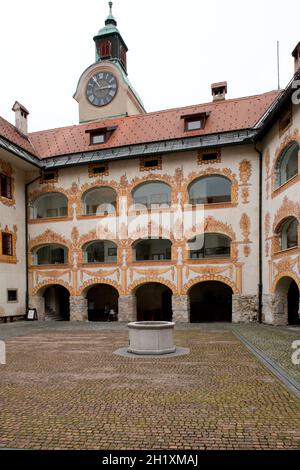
(110, 19)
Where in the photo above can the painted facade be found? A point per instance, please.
(63, 215)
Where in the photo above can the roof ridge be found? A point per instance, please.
(152, 113)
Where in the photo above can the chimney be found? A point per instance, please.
(219, 90)
(296, 55)
(21, 114)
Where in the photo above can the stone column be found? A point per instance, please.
(78, 308)
(127, 308)
(275, 309)
(181, 308)
(38, 302)
(244, 308)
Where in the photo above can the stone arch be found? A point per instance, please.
(87, 187)
(92, 282)
(42, 286)
(150, 279)
(211, 277)
(283, 274)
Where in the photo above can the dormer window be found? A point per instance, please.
(194, 122)
(97, 139)
(100, 136)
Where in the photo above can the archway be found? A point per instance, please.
(102, 298)
(287, 292)
(154, 302)
(210, 301)
(57, 303)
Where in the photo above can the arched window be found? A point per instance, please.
(287, 164)
(50, 254)
(152, 249)
(105, 48)
(50, 205)
(209, 245)
(100, 252)
(209, 190)
(288, 233)
(99, 201)
(153, 195)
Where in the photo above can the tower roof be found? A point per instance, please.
(110, 24)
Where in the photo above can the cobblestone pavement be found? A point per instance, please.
(62, 388)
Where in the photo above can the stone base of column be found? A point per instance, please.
(127, 308)
(38, 302)
(78, 308)
(275, 310)
(181, 308)
(244, 308)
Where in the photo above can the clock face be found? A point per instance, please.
(101, 88)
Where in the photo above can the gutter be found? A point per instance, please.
(26, 240)
(260, 234)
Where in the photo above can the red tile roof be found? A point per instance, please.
(227, 115)
(9, 132)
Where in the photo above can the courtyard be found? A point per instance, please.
(64, 388)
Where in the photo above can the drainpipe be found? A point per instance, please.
(260, 234)
(26, 239)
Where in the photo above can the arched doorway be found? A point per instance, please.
(287, 305)
(293, 304)
(210, 301)
(102, 298)
(154, 302)
(57, 303)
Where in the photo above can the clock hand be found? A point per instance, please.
(96, 81)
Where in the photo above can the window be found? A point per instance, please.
(50, 205)
(12, 295)
(5, 186)
(97, 139)
(287, 164)
(209, 156)
(210, 190)
(100, 252)
(209, 245)
(50, 176)
(193, 124)
(150, 163)
(152, 195)
(152, 250)
(50, 254)
(105, 49)
(123, 56)
(99, 201)
(7, 244)
(98, 169)
(286, 120)
(289, 234)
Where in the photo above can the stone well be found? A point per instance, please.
(151, 337)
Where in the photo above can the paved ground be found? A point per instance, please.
(63, 388)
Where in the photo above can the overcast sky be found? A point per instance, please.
(176, 50)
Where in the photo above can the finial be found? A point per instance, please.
(110, 7)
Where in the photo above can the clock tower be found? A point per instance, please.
(104, 90)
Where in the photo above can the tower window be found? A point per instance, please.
(105, 49)
(123, 56)
(12, 295)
